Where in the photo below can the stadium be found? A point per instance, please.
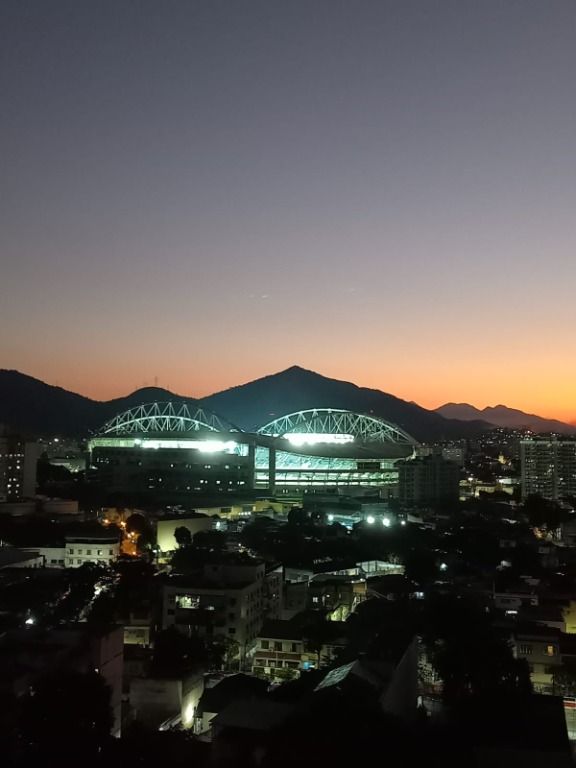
(172, 450)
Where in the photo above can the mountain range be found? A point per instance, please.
(502, 416)
(31, 406)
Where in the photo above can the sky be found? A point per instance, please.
(196, 193)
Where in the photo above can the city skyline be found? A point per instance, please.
(208, 193)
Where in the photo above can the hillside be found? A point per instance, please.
(502, 416)
(253, 404)
(33, 407)
(29, 405)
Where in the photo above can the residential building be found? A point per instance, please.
(338, 595)
(428, 479)
(92, 545)
(18, 460)
(11, 557)
(163, 702)
(228, 596)
(548, 468)
(540, 647)
(285, 648)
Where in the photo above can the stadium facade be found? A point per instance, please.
(172, 450)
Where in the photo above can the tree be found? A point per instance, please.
(188, 559)
(183, 536)
(468, 653)
(142, 532)
(103, 611)
(211, 540)
(286, 674)
(544, 512)
(564, 679)
(136, 523)
(420, 566)
(177, 654)
(297, 516)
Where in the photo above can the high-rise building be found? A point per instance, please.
(18, 460)
(548, 468)
(428, 479)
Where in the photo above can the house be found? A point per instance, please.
(307, 641)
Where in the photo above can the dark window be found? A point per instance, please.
(264, 644)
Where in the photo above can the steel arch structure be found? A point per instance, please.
(334, 421)
(164, 417)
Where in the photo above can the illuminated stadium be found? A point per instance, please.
(171, 449)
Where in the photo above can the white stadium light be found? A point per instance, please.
(309, 438)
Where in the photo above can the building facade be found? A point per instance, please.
(548, 468)
(227, 598)
(18, 460)
(100, 548)
(428, 479)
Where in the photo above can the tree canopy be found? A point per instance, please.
(183, 536)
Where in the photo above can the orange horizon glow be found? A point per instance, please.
(428, 392)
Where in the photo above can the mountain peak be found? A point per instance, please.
(296, 370)
(503, 416)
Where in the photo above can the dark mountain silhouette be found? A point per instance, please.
(29, 405)
(258, 402)
(502, 416)
(33, 407)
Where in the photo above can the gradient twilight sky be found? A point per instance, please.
(207, 191)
